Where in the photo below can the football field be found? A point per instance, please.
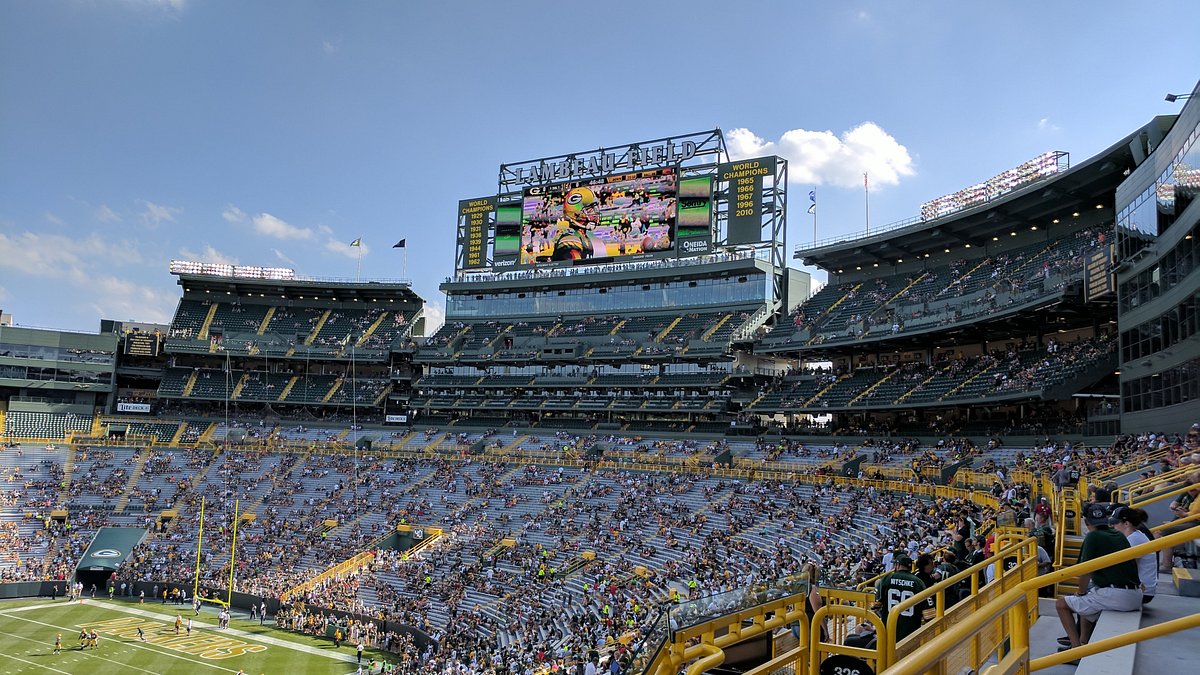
(28, 630)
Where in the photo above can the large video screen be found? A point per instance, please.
(611, 217)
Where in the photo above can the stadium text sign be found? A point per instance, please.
(745, 180)
(474, 213)
(601, 163)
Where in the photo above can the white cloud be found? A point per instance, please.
(269, 225)
(1045, 124)
(107, 215)
(283, 258)
(154, 215)
(329, 47)
(864, 15)
(233, 214)
(344, 248)
(51, 255)
(209, 255)
(435, 316)
(821, 158)
(3, 294)
(121, 299)
(325, 229)
(85, 267)
(53, 219)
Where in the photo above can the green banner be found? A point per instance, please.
(109, 548)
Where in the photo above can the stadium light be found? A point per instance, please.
(1171, 98)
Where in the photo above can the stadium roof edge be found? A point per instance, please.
(396, 290)
(1020, 206)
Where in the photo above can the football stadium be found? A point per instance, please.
(642, 442)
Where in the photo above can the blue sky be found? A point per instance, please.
(133, 132)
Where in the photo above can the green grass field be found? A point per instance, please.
(28, 629)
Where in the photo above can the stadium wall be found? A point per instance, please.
(1158, 284)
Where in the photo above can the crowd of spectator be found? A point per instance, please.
(656, 537)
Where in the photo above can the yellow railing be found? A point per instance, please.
(1010, 613)
(1068, 515)
(1152, 489)
(1015, 562)
(354, 563)
(705, 641)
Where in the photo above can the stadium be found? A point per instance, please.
(640, 442)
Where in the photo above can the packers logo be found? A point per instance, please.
(106, 553)
(575, 198)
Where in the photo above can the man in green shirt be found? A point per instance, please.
(1113, 588)
(894, 588)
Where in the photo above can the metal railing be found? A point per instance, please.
(1010, 614)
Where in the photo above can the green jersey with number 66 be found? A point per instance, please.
(893, 589)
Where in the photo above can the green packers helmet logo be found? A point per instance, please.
(580, 206)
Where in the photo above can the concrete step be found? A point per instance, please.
(1187, 581)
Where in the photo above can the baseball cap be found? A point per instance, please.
(902, 559)
(1099, 513)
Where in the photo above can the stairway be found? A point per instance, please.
(68, 468)
(208, 319)
(668, 329)
(317, 329)
(865, 392)
(1070, 554)
(134, 476)
(262, 327)
(370, 330)
(241, 384)
(191, 384)
(287, 389)
(178, 433)
(824, 389)
(717, 326)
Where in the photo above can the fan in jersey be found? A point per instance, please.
(581, 214)
(894, 588)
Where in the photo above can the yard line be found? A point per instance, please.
(31, 607)
(82, 652)
(10, 656)
(132, 643)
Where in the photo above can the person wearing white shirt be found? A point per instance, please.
(1127, 521)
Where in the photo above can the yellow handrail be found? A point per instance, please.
(1159, 496)
(1014, 603)
(1172, 524)
(1025, 551)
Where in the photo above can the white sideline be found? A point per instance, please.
(253, 637)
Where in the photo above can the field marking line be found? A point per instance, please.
(10, 656)
(255, 637)
(79, 651)
(131, 643)
(32, 607)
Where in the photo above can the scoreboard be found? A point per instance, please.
(674, 197)
(143, 344)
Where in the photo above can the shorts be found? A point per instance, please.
(1099, 599)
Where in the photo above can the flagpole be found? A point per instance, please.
(358, 264)
(867, 201)
(813, 196)
(404, 273)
